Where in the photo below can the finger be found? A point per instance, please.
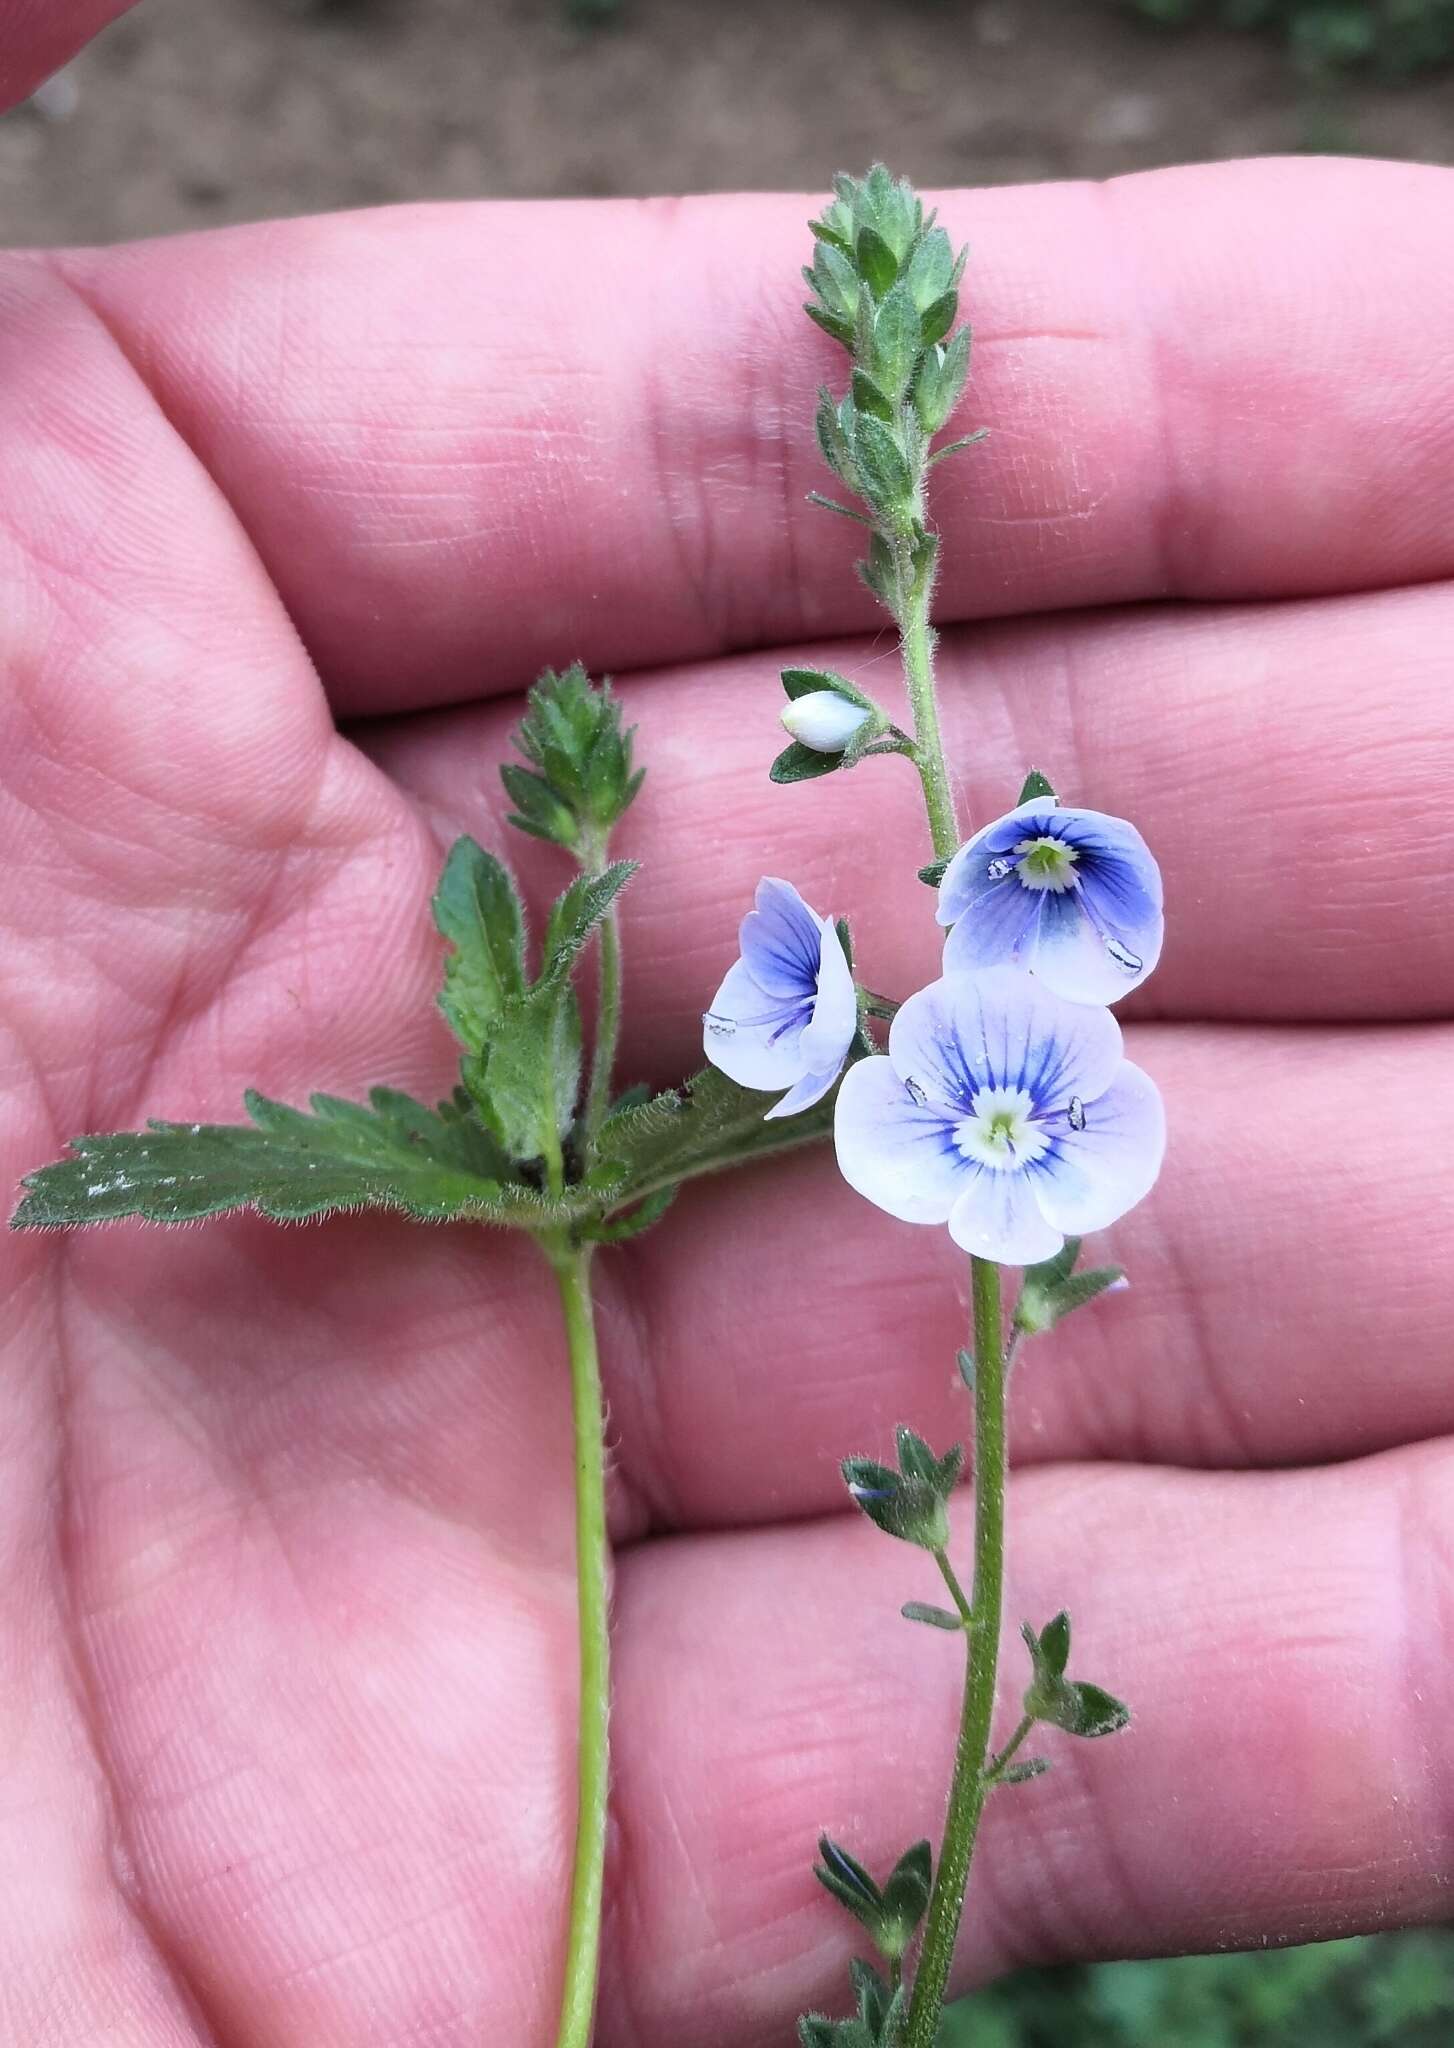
(199, 870)
(38, 36)
(471, 440)
(1284, 1306)
(1287, 764)
(1284, 1643)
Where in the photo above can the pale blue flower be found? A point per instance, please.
(1075, 896)
(824, 721)
(1004, 1111)
(787, 1012)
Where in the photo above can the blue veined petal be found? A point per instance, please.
(1085, 954)
(754, 1038)
(998, 929)
(804, 1093)
(1092, 1175)
(781, 940)
(998, 1217)
(967, 870)
(830, 1030)
(893, 1149)
(1002, 1029)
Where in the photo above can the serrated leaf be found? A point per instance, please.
(477, 910)
(932, 1616)
(1035, 786)
(288, 1164)
(708, 1124)
(797, 763)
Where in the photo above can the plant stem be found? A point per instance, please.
(608, 1005)
(969, 1789)
(915, 589)
(572, 1267)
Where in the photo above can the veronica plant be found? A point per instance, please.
(1002, 1108)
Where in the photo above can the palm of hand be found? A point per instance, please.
(287, 1597)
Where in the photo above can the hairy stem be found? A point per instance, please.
(969, 1787)
(572, 1267)
(608, 1023)
(915, 590)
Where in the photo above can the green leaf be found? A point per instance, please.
(940, 382)
(873, 1995)
(931, 1616)
(478, 912)
(939, 318)
(896, 343)
(576, 913)
(527, 1081)
(288, 1164)
(708, 1124)
(881, 462)
(931, 269)
(632, 1222)
(877, 264)
(572, 735)
(1036, 786)
(869, 398)
(797, 763)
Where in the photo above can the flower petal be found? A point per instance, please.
(998, 928)
(894, 1150)
(966, 871)
(803, 1094)
(1091, 1176)
(997, 1217)
(829, 1032)
(781, 940)
(751, 1037)
(1003, 1029)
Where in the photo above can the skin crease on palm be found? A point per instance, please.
(286, 1606)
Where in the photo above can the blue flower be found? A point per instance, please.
(1004, 1111)
(787, 1012)
(1074, 896)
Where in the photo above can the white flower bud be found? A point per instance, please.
(824, 721)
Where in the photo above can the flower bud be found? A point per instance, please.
(823, 721)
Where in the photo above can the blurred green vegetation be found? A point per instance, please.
(1339, 1994)
(1395, 38)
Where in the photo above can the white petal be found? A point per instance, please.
(894, 1151)
(738, 1034)
(997, 1217)
(829, 1033)
(1094, 1175)
(823, 720)
(803, 1094)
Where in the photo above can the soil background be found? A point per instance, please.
(187, 113)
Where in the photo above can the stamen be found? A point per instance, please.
(998, 869)
(1122, 955)
(1075, 1113)
(917, 1092)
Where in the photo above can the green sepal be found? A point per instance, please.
(932, 1616)
(477, 911)
(940, 382)
(1051, 1290)
(911, 1503)
(1035, 787)
(891, 1914)
(538, 810)
(621, 1228)
(871, 1990)
(933, 872)
(931, 270)
(965, 1361)
(840, 330)
(1069, 1704)
(845, 1877)
(797, 763)
(887, 481)
(806, 682)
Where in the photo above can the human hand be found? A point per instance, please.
(287, 1603)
